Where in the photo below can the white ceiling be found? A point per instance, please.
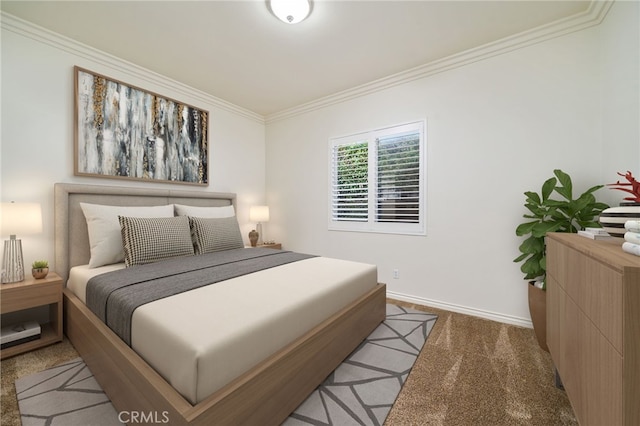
(237, 51)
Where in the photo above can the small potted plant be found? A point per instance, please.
(546, 214)
(39, 269)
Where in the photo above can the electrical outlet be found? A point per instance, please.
(396, 274)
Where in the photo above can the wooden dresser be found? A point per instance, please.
(593, 327)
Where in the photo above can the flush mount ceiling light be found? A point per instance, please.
(290, 11)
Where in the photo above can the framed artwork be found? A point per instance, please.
(125, 132)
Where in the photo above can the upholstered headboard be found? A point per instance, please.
(71, 236)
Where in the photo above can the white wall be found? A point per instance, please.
(37, 128)
(495, 128)
(619, 84)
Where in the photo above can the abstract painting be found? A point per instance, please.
(122, 131)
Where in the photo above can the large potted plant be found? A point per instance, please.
(562, 213)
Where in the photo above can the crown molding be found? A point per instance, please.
(593, 16)
(35, 32)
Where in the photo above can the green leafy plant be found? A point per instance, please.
(547, 214)
(40, 264)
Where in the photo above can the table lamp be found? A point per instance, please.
(17, 218)
(259, 214)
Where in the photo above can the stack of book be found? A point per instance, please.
(595, 233)
(13, 335)
(632, 237)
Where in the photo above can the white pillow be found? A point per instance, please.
(205, 212)
(105, 238)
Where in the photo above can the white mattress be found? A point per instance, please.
(202, 339)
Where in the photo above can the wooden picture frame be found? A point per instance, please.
(125, 132)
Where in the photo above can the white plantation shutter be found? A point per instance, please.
(377, 181)
(398, 178)
(350, 182)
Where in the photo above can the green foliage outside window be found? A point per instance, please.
(353, 181)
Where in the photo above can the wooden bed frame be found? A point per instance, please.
(264, 395)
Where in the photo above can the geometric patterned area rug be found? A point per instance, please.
(66, 394)
(361, 391)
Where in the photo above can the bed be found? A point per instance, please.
(265, 393)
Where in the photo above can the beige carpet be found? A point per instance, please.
(479, 372)
(470, 372)
(24, 365)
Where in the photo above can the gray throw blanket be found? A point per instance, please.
(114, 296)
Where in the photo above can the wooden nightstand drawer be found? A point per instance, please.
(22, 296)
(272, 245)
(277, 246)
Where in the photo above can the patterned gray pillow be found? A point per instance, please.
(148, 240)
(215, 234)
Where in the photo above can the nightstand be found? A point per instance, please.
(272, 245)
(32, 293)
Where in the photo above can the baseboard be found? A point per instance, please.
(507, 319)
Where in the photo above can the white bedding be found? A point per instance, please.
(202, 339)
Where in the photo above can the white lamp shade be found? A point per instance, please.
(290, 11)
(21, 218)
(259, 214)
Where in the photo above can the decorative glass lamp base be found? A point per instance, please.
(12, 264)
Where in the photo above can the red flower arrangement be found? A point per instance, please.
(632, 186)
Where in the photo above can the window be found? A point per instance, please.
(378, 181)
